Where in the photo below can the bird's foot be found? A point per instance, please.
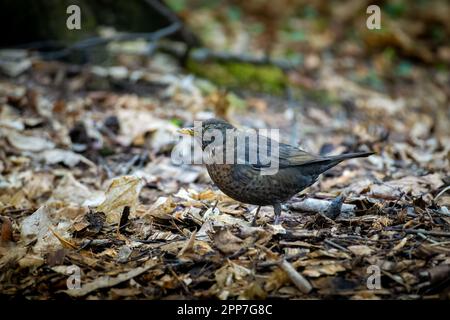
(277, 220)
(334, 210)
(277, 211)
(255, 217)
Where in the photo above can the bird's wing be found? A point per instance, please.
(259, 156)
(293, 156)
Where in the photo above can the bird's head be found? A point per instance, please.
(208, 130)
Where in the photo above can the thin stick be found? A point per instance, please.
(428, 233)
(300, 282)
(441, 193)
(427, 238)
(337, 246)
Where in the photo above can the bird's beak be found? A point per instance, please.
(188, 131)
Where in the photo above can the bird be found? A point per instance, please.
(244, 180)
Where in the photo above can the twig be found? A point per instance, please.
(66, 243)
(97, 41)
(397, 279)
(268, 264)
(319, 205)
(238, 253)
(127, 166)
(300, 282)
(84, 245)
(215, 205)
(141, 161)
(428, 233)
(335, 245)
(440, 243)
(426, 238)
(124, 219)
(203, 54)
(96, 243)
(289, 235)
(441, 193)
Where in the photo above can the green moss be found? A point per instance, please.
(395, 10)
(321, 97)
(177, 122)
(236, 102)
(262, 78)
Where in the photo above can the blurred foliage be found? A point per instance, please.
(412, 33)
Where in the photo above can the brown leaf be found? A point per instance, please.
(360, 250)
(227, 242)
(6, 230)
(108, 281)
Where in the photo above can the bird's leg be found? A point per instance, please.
(255, 216)
(277, 211)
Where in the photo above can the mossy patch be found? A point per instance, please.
(261, 78)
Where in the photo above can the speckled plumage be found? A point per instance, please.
(243, 182)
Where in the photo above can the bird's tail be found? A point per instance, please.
(346, 156)
(330, 162)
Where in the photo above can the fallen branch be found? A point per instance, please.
(98, 243)
(441, 193)
(335, 245)
(97, 41)
(203, 54)
(320, 206)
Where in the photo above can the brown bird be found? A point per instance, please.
(245, 180)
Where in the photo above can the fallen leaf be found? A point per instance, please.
(108, 281)
(38, 226)
(123, 191)
(326, 269)
(69, 158)
(360, 250)
(28, 143)
(227, 242)
(70, 190)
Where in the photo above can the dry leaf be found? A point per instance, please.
(123, 191)
(28, 143)
(360, 250)
(108, 281)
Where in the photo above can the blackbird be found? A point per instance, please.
(244, 181)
